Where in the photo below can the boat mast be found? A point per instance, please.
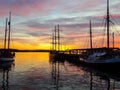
(90, 35)
(108, 20)
(58, 38)
(9, 23)
(55, 37)
(5, 33)
(113, 40)
(52, 41)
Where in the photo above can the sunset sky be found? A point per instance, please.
(33, 22)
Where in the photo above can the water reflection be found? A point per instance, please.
(99, 80)
(55, 73)
(5, 67)
(68, 76)
(36, 73)
(104, 83)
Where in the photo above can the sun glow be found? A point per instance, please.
(32, 27)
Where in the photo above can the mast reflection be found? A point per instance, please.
(5, 67)
(55, 73)
(101, 80)
(98, 79)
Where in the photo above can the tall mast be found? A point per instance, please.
(90, 35)
(52, 42)
(113, 40)
(5, 33)
(108, 20)
(9, 23)
(58, 38)
(55, 38)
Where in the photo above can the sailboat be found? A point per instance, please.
(106, 58)
(7, 54)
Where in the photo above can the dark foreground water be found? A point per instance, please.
(34, 71)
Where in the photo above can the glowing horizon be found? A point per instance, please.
(33, 22)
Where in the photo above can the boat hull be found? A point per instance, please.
(6, 59)
(105, 65)
(6, 55)
(110, 65)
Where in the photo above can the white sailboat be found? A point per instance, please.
(7, 54)
(107, 58)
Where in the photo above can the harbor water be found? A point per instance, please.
(35, 71)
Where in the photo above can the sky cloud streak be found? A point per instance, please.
(36, 19)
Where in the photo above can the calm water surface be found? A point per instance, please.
(34, 71)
